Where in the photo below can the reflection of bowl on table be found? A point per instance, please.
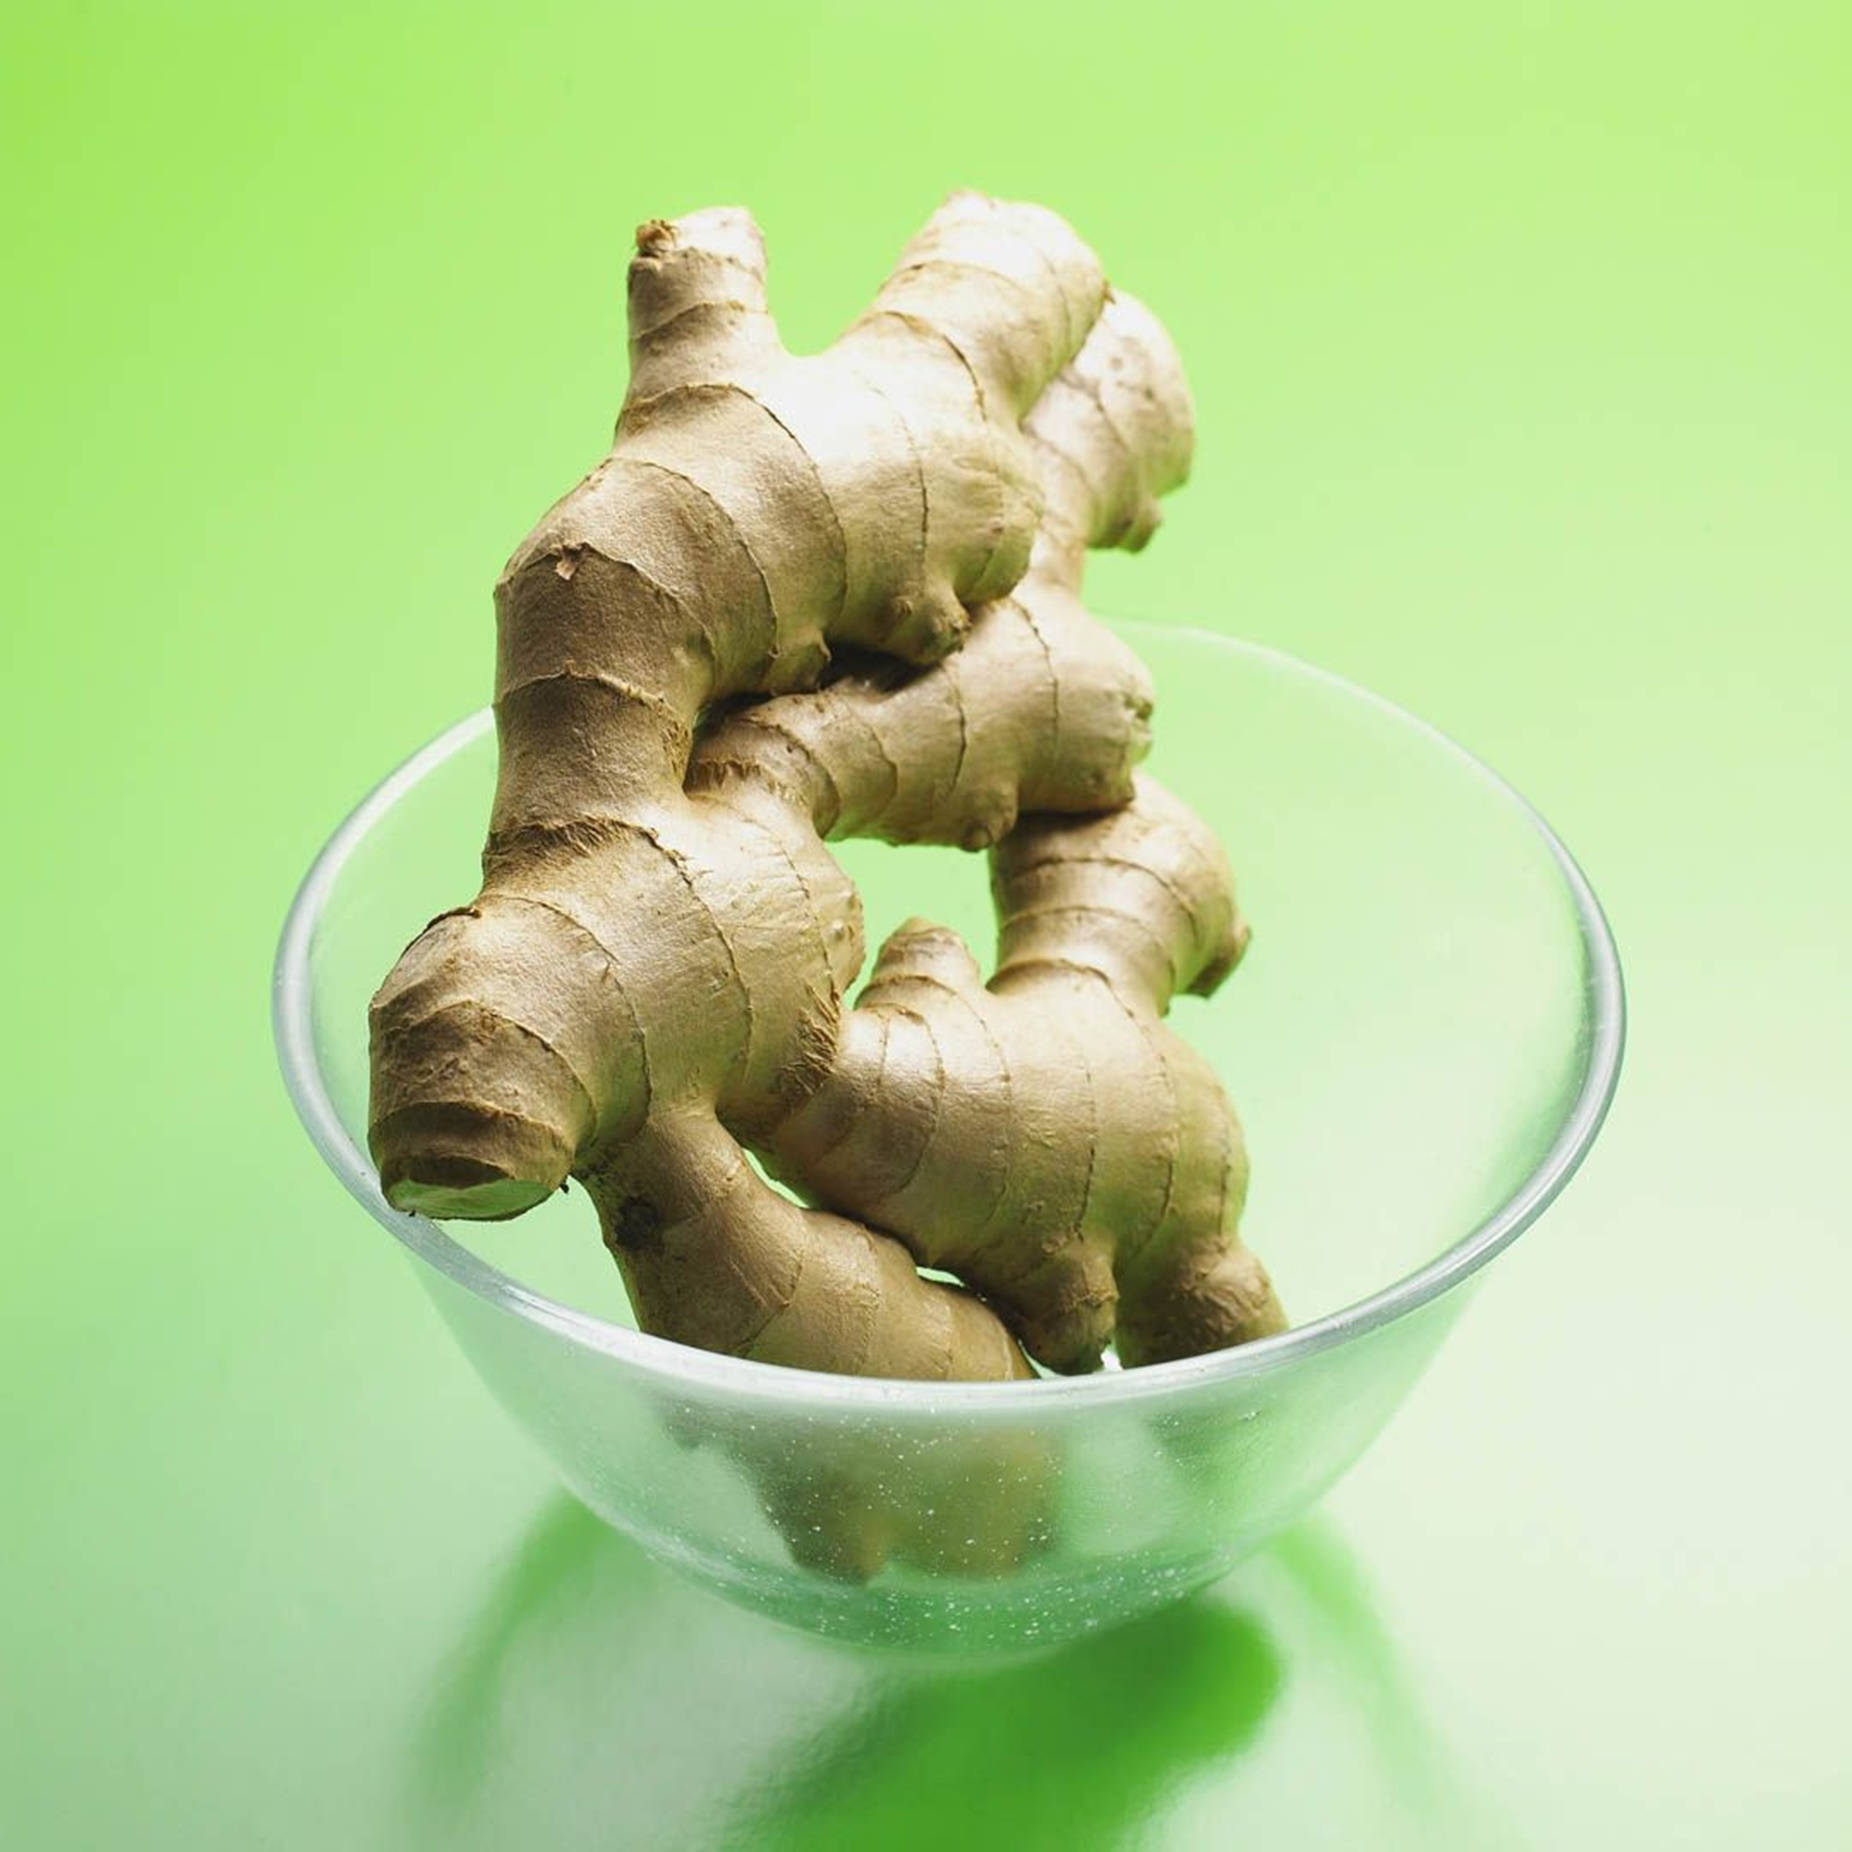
(1421, 1044)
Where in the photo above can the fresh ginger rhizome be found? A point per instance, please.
(817, 597)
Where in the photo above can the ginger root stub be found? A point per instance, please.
(827, 596)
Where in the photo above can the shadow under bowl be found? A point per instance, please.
(1422, 1042)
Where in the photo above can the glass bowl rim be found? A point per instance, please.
(689, 1368)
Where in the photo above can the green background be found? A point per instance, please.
(1520, 340)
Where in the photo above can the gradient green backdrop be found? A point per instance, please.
(1522, 337)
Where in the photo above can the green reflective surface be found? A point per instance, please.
(1518, 341)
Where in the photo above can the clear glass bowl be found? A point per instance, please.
(1422, 1043)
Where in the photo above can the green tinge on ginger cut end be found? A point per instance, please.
(496, 1199)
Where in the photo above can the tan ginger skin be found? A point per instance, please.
(652, 979)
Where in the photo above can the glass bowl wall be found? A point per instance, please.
(1421, 1043)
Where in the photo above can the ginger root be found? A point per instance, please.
(652, 980)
